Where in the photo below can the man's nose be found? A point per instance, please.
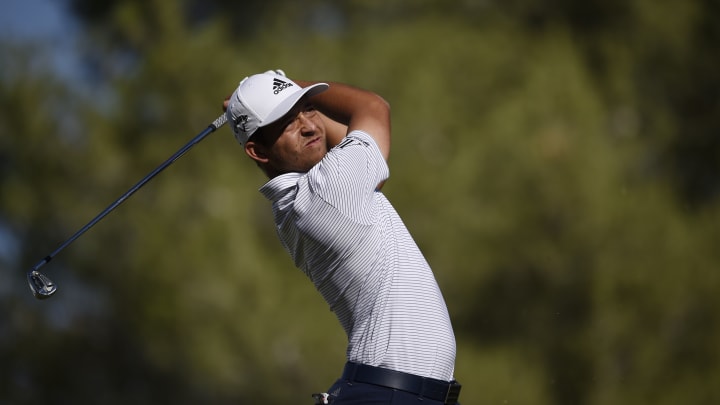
(307, 126)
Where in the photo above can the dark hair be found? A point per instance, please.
(259, 137)
(264, 137)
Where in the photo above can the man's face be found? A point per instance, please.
(296, 142)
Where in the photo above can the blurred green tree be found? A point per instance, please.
(555, 161)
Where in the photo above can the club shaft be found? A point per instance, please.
(219, 122)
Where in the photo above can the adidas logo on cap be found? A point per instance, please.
(279, 85)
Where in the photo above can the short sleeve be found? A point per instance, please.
(349, 173)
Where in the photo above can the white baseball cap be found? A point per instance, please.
(262, 99)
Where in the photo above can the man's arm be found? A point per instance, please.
(335, 131)
(357, 109)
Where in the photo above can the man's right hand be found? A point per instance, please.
(226, 102)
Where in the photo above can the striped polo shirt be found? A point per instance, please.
(349, 240)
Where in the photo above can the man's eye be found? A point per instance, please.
(288, 125)
(291, 121)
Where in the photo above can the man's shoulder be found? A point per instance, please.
(356, 137)
(354, 154)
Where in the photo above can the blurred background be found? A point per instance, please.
(557, 161)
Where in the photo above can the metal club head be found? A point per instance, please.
(41, 286)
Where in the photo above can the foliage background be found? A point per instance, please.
(556, 161)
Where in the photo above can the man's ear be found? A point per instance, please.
(256, 152)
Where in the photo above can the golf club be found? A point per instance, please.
(41, 286)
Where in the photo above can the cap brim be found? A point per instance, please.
(288, 104)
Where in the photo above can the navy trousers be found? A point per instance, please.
(354, 393)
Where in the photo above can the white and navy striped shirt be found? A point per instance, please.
(350, 241)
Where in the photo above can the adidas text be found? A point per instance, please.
(279, 85)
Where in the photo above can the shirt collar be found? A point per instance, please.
(277, 187)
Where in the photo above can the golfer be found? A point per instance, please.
(324, 148)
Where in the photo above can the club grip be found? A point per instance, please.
(220, 121)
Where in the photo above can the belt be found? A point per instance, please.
(437, 390)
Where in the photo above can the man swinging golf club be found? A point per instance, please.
(324, 148)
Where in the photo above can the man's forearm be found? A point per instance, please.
(334, 131)
(356, 109)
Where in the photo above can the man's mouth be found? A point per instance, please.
(312, 142)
